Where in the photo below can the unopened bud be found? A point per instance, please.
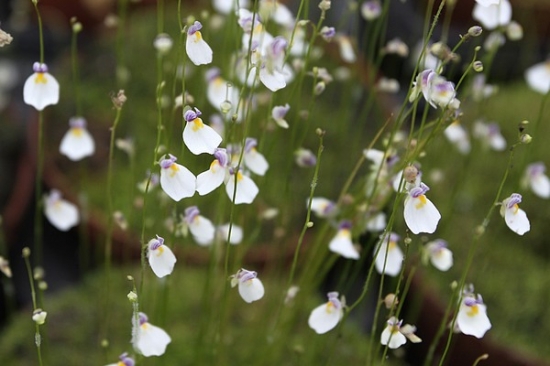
(514, 31)
(319, 87)
(407, 241)
(475, 31)
(410, 173)
(324, 5)
(43, 285)
(132, 296)
(39, 316)
(76, 25)
(119, 99)
(526, 139)
(26, 252)
(390, 300)
(478, 66)
(225, 107)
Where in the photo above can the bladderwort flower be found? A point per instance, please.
(389, 257)
(515, 217)
(323, 207)
(148, 339)
(457, 135)
(342, 243)
(440, 256)
(421, 215)
(387, 85)
(481, 90)
(371, 9)
(492, 13)
(163, 43)
(489, 134)
(273, 9)
(538, 77)
(198, 137)
(376, 222)
(254, 160)
(60, 213)
(305, 158)
(77, 142)
(226, 6)
(5, 267)
(436, 90)
(219, 93)
(327, 316)
(201, 228)
(472, 316)
(397, 47)
(161, 258)
(273, 73)
(175, 179)
(395, 335)
(250, 287)
(347, 52)
(214, 177)
(246, 189)
(124, 360)
(198, 51)
(327, 33)
(236, 237)
(41, 89)
(535, 179)
(152, 178)
(278, 114)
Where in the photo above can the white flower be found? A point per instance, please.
(389, 257)
(236, 233)
(538, 77)
(326, 316)
(226, 6)
(198, 137)
(436, 90)
(245, 191)
(323, 207)
(391, 336)
(149, 340)
(60, 213)
(440, 256)
(176, 180)
(490, 134)
(277, 11)
(347, 53)
(77, 142)
(376, 223)
(472, 316)
(458, 136)
(163, 43)
(342, 244)
(421, 216)
(41, 89)
(198, 51)
(273, 73)
(515, 217)
(371, 9)
(201, 228)
(5, 267)
(492, 14)
(250, 287)
(305, 158)
(252, 159)
(161, 258)
(214, 177)
(535, 178)
(278, 114)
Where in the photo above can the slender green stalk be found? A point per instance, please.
(37, 336)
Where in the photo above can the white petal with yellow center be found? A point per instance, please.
(162, 261)
(198, 51)
(200, 138)
(256, 162)
(324, 318)
(517, 220)
(77, 144)
(342, 244)
(211, 179)
(473, 320)
(177, 182)
(392, 337)
(251, 290)
(421, 215)
(391, 263)
(41, 90)
(62, 214)
(203, 230)
(246, 189)
(151, 340)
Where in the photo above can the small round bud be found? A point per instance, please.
(526, 139)
(407, 241)
(454, 285)
(39, 316)
(390, 300)
(514, 31)
(324, 5)
(477, 48)
(320, 132)
(309, 224)
(410, 173)
(475, 31)
(38, 273)
(225, 107)
(130, 278)
(104, 343)
(478, 66)
(43, 285)
(26, 252)
(480, 230)
(132, 296)
(77, 26)
(319, 87)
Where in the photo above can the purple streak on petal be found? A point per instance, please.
(278, 46)
(190, 115)
(39, 68)
(249, 144)
(280, 111)
(345, 225)
(212, 73)
(333, 298)
(536, 169)
(244, 275)
(143, 318)
(154, 244)
(126, 360)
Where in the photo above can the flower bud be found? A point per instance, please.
(39, 316)
(478, 66)
(514, 31)
(526, 139)
(475, 31)
(324, 5)
(132, 296)
(26, 252)
(390, 300)
(410, 173)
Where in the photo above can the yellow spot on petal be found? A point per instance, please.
(144, 326)
(160, 250)
(198, 36)
(515, 208)
(40, 78)
(120, 363)
(474, 310)
(197, 124)
(330, 307)
(422, 201)
(214, 165)
(239, 176)
(76, 131)
(391, 245)
(174, 169)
